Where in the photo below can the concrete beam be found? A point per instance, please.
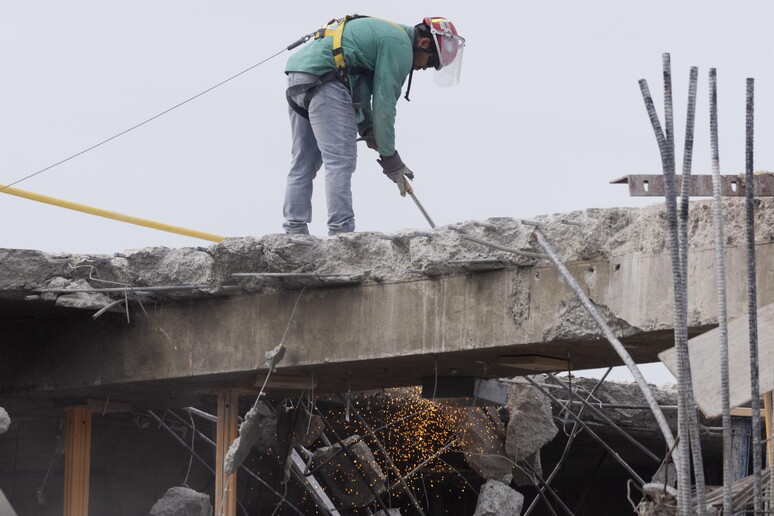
(374, 334)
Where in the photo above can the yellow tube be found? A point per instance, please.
(110, 214)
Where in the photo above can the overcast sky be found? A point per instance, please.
(548, 111)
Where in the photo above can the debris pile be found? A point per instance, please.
(182, 501)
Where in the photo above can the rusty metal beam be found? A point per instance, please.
(652, 185)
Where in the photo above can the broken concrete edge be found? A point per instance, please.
(5, 421)
(368, 256)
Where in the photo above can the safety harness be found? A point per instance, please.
(341, 73)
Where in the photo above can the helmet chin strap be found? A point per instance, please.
(408, 89)
(411, 73)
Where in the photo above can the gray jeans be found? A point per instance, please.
(329, 137)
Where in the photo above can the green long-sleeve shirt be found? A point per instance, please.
(373, 44)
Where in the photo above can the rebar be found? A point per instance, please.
(212, 443)
(423, 464)
(570, 438)
(118, 289)
(593, 435)
(387, 459)
(606, 419)
(605, 328)
(682, 238)
(752, 292)
(720, 281)
(354, 460)
(494, 245)
(668, 165)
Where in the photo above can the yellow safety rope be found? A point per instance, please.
(110, 214)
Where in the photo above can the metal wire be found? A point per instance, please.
(154, 117)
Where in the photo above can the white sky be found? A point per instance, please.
(548, 111)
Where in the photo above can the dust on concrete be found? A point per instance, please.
(370, 256)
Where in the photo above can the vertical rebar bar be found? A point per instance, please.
(752, 293)
(682, 238)
(720, 282)
(681, 458)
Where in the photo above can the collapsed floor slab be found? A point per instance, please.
(358, 311)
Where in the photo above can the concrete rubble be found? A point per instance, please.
(483, 438)
(491, 448)
(345, 479)
(497, 499)
(262, 430)
(5, 421)
(182, 501)
(530, 424)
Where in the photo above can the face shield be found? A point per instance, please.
(448, 51)
(449, 61)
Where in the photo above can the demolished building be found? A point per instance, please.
(143, 362)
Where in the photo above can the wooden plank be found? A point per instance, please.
(705, 362)
(77, 461)
(767, 411)
(287, 382)
(227, 431)
(744, 412)
(538, 363)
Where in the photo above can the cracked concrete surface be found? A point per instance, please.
(405, 255)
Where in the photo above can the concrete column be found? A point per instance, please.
(227, 431)
(77, 461)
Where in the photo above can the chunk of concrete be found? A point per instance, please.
(497, 499)
(5, 421)
(531, 423)
(82, 300)
(341, 475)
(182, 501)
(259, 430)
(262, 430)
(483, 442)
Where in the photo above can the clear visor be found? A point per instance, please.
(449, 74)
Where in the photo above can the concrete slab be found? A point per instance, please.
(704, 353)
(414, 312)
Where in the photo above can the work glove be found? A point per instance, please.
(395, 169)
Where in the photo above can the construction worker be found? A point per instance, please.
(348, 80)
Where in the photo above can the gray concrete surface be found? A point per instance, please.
(378, 311)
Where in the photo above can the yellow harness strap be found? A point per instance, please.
(338, 32)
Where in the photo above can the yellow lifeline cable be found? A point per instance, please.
(111, 214)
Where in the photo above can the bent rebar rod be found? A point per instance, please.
(593, 434)
(570, 438)
(720, 287)
(752, 301)
(617, 346)
(605, 418)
